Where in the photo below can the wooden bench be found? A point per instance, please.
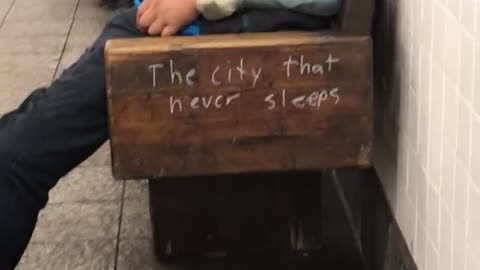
(237, 129)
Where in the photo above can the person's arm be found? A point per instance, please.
(218, 9)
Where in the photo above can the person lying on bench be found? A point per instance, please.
(58, 127)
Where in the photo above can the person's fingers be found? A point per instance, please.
(138, 24)
(144, 6)
(169, 30)
(147, 19)
(156, 27)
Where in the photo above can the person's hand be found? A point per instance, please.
(165, 17)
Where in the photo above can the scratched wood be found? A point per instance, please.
(238, 103)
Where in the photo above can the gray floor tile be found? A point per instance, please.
(137, 255)
(32, 44)
(9, 102)
(15, 96)
(26, 64)
(82, 41)
(90, 9)
(77, 221)
(42, 10)
(89, 26)
(37, 28)
(71, 255)
(70, 56)
(6, 105)
(34, 70)
(83, 34)
(136, 190)
(136, 219)
(85, 31)
(9, 81)
(4, 6)
(87, 184)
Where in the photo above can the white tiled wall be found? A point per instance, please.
(431, 172)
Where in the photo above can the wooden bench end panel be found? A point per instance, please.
(239, 104)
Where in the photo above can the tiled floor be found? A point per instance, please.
(91, 222)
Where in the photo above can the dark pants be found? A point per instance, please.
(53, 131)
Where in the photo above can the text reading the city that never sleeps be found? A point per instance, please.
(220, 76)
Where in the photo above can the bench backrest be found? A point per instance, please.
(356, 17)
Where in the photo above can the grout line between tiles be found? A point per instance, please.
(2, 21)
(117, 244)
(100, 201)
(66, 41)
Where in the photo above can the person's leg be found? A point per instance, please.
(54, 130)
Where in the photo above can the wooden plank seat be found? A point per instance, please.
(235, 127)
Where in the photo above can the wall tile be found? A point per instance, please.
(414, 173)
(438, 178)
(438, 32)
(446, 235)
(417, 19)
(464, 134)
(451, 114)
(476, 86)
(472, 261)
(420, 248)
(433, 217)
(426, 24)
(415, 68)
(404, 106)
(466, 68)
(402, 171)
(461, 191)
(452, 49)
(475, 162)
(448, 178)
(424, 97)
(405, 23)
(455, 7)
(435, 150)
(477, 18)
(407, 221)
(413, 121)
(473, 230)
(468, 15)
(431, 258)
(459, 247)
(421, 197)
